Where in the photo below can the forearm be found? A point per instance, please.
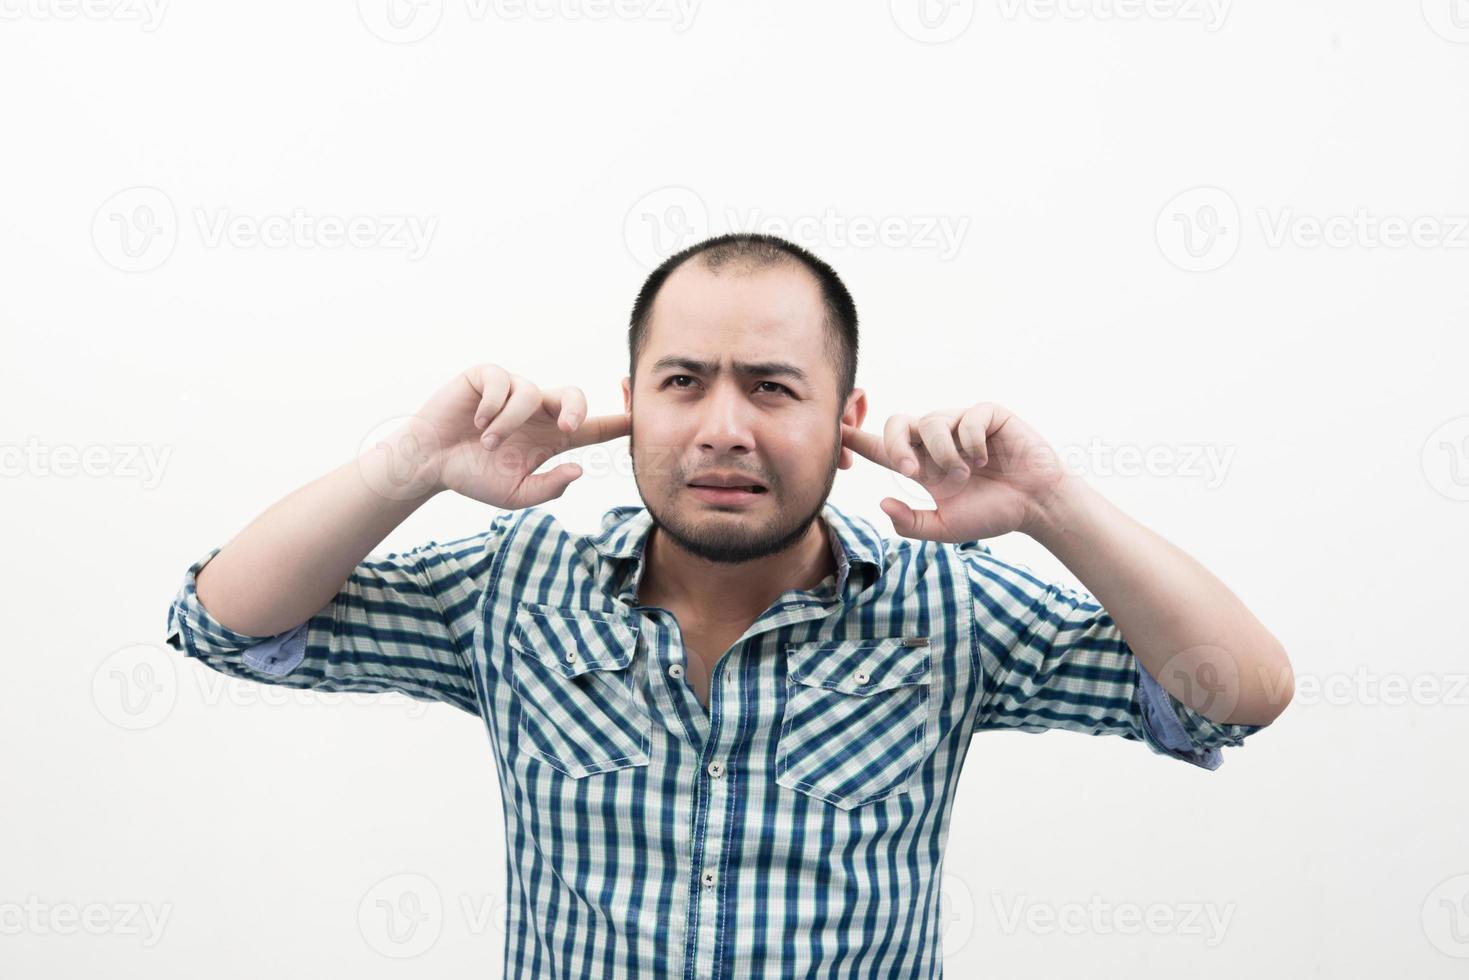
(289, 562)
(1184, 626)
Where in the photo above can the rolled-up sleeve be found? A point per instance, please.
(1050, 657)
(405, 623)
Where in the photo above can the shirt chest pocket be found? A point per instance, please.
(578, 707)
(857, 718)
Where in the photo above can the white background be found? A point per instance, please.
(556, 152)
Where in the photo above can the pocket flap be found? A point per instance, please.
(864, 665)
(573, 641)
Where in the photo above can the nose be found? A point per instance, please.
(725, 422)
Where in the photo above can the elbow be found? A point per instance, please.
(1262, 702)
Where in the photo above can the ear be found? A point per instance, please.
(853, 414)
(626, 395)
(856, 409)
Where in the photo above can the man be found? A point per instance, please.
(729, 725)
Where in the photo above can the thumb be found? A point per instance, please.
(908, 522)
(541, 487)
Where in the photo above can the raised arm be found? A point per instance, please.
(990, 473)
(296, 600)
(290, 561)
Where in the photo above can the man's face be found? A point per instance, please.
(696, 415)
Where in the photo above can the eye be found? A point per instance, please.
(676, 377)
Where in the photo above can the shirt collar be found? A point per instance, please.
(624, 533)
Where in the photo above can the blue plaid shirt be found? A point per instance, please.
(795, 827)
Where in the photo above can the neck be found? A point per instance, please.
(716, 592)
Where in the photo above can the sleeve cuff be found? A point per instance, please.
(193, 631)
(1164, 732)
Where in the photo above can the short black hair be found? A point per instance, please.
(759, 250)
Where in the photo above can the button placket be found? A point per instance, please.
(711, 816)
(670, 692)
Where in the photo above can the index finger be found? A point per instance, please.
(567, 405)
(600, 428)
(866, 444)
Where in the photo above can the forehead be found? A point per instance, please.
(752, 315)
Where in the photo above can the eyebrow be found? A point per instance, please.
(763, 368)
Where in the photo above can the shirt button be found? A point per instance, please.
(716, 768)
(709, 878)
(861, 677)
(571, 656)
(675, 670)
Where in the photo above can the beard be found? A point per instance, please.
(730, 538)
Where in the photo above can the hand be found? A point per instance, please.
(448, 443)
(988, 472)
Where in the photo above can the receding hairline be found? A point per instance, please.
(745, 257)
(742, 253)
(747, 265)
